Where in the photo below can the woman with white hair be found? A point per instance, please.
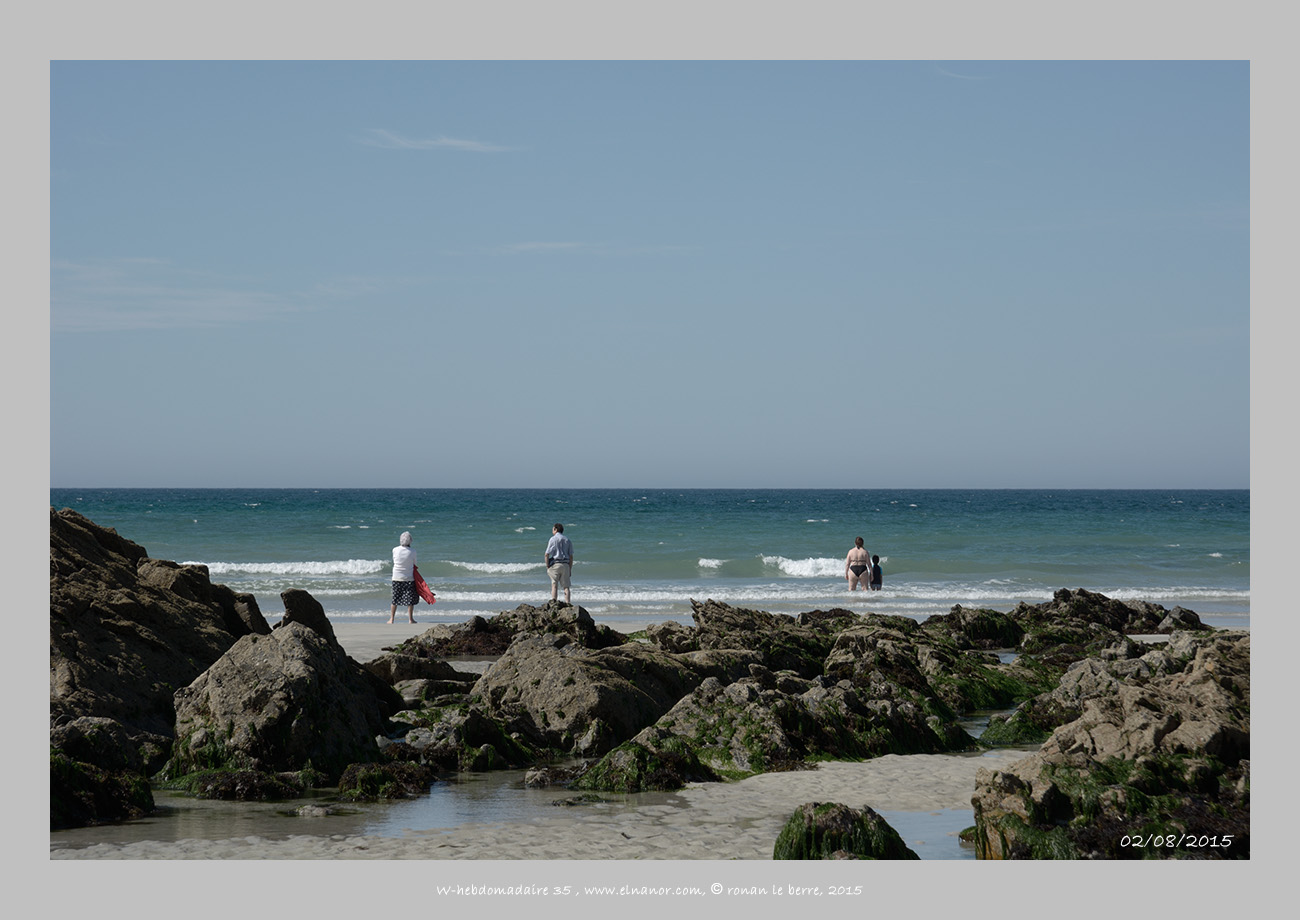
(403, 577)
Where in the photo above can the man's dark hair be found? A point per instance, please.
(559, 528)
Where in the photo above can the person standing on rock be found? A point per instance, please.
(403, 577)
(559, 562)
(857, 566)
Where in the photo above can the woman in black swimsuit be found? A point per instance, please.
(857, 566)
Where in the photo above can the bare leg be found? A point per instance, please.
(392, 612)
(410, 613)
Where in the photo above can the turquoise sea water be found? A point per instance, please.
(643, 554)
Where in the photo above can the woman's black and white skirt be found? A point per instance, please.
(404, 593)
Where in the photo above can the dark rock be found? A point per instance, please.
(833, 619)
(724, 664)
(301, 607)
(243, 785)
(561, 695)
(475, 637)
(559, 618)
(371, 782)
(1081, 607)
(773, 721)
(784, 643)
(925, 668)
(977, 629)
(277, 703)
(672, 637)
(83, 794)
(455, 738)
(110, 745)
(127, 631)
(1179, 618)
(632, 767)
(834, 831)
(393, 668)
(419, 692)
(489, 637)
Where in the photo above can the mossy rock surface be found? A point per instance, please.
(632, 767)
(82, 794)
(1031, 723)
(370, 782)
(829, 830)
(242, 785)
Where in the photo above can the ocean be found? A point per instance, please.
(643, 554)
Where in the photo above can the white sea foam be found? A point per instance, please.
(807, 568)
(337, 567)
(711, 563)
(497, 568)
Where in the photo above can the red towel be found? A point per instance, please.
(422, 587)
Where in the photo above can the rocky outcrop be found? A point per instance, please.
(492, 636)
(784, 643)
(977, 628)
(894, 658)
(561, 695)
(110, 745)
(275, 703)
(778, 720)
(1153, 764)
(419, 680)
(460, 737)
(633, 767)
(881, 685)
(83, 794)
(830, 830)
(1100, 677)
(1078, 624)
(370, 782)
(301, 607)
(247, 785)
(393, 668)
(126, 631)
(1088, 607)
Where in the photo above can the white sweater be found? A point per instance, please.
(403, 563)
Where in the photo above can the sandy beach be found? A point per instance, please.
(708, 821)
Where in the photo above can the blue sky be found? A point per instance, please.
(786, 274)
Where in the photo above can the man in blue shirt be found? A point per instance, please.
(559, 562)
